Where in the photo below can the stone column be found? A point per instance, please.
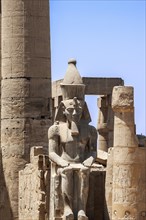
(109, 184)
(0, 67)
(126, 167)
(0, 78)
(0, 110)
(105, 123)
(110, 122)
(26, 89)
(102, 123)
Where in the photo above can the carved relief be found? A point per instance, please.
(34, 188)
(122, 176)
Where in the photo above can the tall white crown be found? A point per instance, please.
(72, 85)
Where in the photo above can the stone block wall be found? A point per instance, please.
(34, 187)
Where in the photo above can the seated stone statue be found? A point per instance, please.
(72, 145)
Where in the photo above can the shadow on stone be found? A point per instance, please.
(5, 207)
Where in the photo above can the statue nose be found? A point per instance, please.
(74, 112)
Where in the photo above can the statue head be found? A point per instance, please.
(73, 107)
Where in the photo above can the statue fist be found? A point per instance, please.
(64, 164)
(88, 162)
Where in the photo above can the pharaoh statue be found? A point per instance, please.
(72, 147)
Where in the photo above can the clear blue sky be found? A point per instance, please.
(107, 38)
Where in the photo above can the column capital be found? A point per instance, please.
(122, 99)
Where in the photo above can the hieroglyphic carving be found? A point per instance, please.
(122, 176)
(126, 216)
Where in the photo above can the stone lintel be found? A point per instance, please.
(94, 86)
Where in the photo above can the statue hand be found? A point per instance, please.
(64, 164)
(88, 162)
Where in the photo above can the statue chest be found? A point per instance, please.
(73, 146)
(66, 136)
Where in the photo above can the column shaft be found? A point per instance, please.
(126, 168)
(26, 88)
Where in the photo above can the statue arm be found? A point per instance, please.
(93, 142)
(92, 147)
(54, 148)
(54, 157)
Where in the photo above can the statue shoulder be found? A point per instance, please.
(92, 130)
(93, 137)
(53, 130)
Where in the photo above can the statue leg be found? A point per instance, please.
(84, 188)
(67, 192)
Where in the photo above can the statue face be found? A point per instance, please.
(73, 109)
